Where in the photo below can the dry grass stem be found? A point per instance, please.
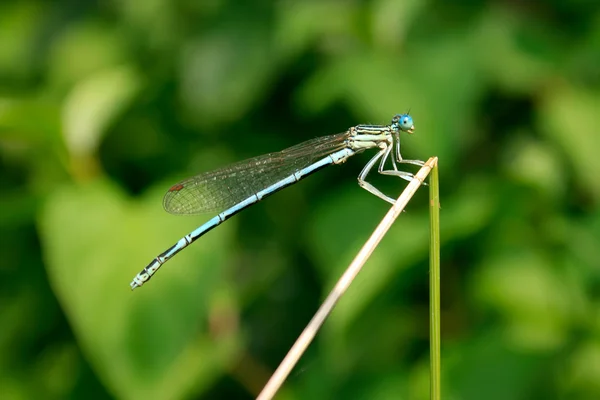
(342, 285)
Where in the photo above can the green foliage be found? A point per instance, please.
(104, 105)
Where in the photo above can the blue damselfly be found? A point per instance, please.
(237, 186)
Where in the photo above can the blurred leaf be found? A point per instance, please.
(222, 74)
(158, 22)
(583, 370)
(524, 288)
(586, 58)
(580, 237)
(535, 163)
(488, 367)
(569, 116)
(90, 47)
(19, 209)
(300, 25)
(151, 343)
(521, 70)
(371, 83)
(93, 105)
(34, 121)
(19, 24)
(392, 19)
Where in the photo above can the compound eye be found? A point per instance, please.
(406, 123)
(403, 122)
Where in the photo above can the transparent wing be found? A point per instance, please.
(222, 188)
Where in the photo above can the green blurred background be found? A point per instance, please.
(105, 104)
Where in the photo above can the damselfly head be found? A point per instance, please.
(403, 122)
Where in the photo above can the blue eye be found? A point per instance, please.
(403, 122)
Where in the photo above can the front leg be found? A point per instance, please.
(401, 160)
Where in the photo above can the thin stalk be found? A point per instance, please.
(342, 285)
(434, 284)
